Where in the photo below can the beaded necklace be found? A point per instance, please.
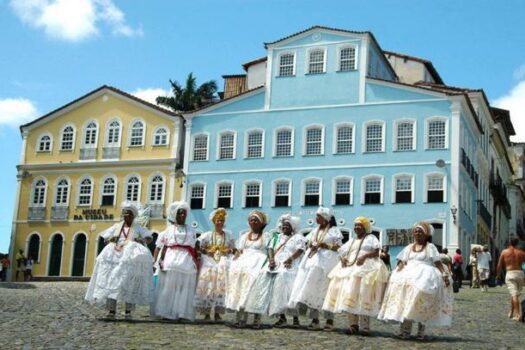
(358, 249)
(177, 228)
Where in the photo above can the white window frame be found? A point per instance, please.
(154, 134)
(274, 189)
(383, 133)
(39, 143)
(150, 187)
(279, 63)
(33, 189)
(219, 141)
(364, 179)
(72, 140)
(130, 132)
(28, 241)
(222, 183)
(292, 140)
(79, 185)
(336, 135)
(246, 136)
(245, 185)
(412, 186)
(303, 188)
(125, 189)
(334, 188)
(204, 189)
(68, 189)
(207, 147)
(341, 48)
(305, 132)
(397, 122)
(72, 256)
(427, 136)
(101, 190)
(425, 185)
(106, 134)
(308, 57)
(97, 133)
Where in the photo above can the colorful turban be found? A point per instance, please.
(173, 209)
(218, 214)
(292, 220)
(263, 218)
(363, 220)
(132, 207)
(425, 226)
(326, 213)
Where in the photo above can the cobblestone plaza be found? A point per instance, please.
(52, 315)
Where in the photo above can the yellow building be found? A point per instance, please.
(78, 163)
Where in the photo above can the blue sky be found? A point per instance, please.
(53, 51)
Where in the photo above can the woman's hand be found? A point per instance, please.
(400, 266)
(288, 263)
(344, 262)
(446, 280)
(361, 260)
(237, 255)
(271, 264)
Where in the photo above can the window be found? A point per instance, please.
(403, 188)
(113, 134)
(84, 192)
(437, 134)
(312, 192)
(224, 195)
(33, 247)
(347, 59)
(62, 192)
(133, 189)
(227, 145)
(374, 137)
(255, 144)
(435, 188)
(90, 135)
(314, 141)
(316, 61)
(39, 193)
(67, 139)
(156, 189)
(160, 137)
(200, 147)
(404, 137)
(373, 190)
(137, 134)
(252, 195)
(44, 144)
(197, 196)
(109, 187)
(286, 65)
(282, 193)
(284, 143)
(343, 191)
(344, 142)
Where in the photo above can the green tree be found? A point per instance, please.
(189, 97)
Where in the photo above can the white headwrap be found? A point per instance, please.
(174, 207)
(426, 227)
(128, 205)
(326, 213)
(292, 220)
(262, 216)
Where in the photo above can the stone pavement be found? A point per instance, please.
(52, 315)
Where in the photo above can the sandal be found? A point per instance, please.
(329, 325)
(353, 330)
(207, 317)
(296, 323)
(314, 326)
(280, 322)
(217, 317)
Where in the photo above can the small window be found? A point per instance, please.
(90, 135)
(435, 189)
(137, 134)
(62, 193)
(316, 61)
(224, 195)
(133, 189)
(227, 146)
(197, 196)
(373, 191)
(44, 144)
(108, 192)
(347, 61)
(252, 195)
(200, 147)
(314, 141)
(283, 143)
(374, 138)
(68, 137)
(156, 190)
(403, 189)
(405, 136)
(113, 134)
(39, 193)
(84, 192)
(160, 138)
(344, 141)
(437, 134)
(343, 191)
(312, 193)
(254, 144)
(282, 194)
(286, 65)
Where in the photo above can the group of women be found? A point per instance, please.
(280, 274)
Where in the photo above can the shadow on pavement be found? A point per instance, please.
(16, 285)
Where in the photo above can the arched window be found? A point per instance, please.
(282, 189)
(437, 133)
(224, 194)
(113, 134)
(342, 190)
(44, 143)
(344, 141)
(33, 247)
(133, 189)
(90, 135)
(136, 137)
(283, 142)
(403, 186)
(286, 64)
(85, 191)
(372, 189)
(160, 136)
(68, 138)
(226, 149)
(62, 192)
(101, 243)
(79, 255)
(254, 144)
(314, 140)
(347, 58)
(197, 195)
(316, 61)
(404, 137)
(312, 193)
(39, 193)
(200, 147)
(374, 137)
(252, 194)
(55, 255)
(435, 188)
(109, 189)
(156, 189)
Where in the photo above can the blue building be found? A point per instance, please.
(329, 118)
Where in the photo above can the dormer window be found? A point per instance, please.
(286, 65)
(316, 61)
(347, 58)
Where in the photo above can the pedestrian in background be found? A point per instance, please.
(446, 260)
(512, 258)
(5, 266)
(457, 268)
(473, 268)
(484, 260)
(29, 269)
(385, 257)
(20, 264)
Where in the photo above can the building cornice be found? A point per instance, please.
(97, 164)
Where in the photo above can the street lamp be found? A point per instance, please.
(454, 211)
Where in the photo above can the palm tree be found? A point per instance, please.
(189, 97)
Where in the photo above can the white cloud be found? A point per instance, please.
(73, 20)
(519, 73)
(150, 94)
(16, 111)
(514, 101)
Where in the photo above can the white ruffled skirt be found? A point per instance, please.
(211, 285)
(124, 276)
(174, 295)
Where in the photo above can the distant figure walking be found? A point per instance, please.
(512, 258)
(457, 268)
(484, 260)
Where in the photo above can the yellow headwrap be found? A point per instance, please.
(218, 214)
(365, 222)
(425, 226)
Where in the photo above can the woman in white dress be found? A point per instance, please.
(271, 291)
(419, 288)
(216, 247)
(246, 265)
(358, 282)
(175, 291)
(123, 269)
(311, 283)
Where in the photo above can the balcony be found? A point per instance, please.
(484, 214)
(498, 189)
(469, 168)
(111, 153)
(156, 211)
(59, 213)
(36, 214)
(88, 153)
